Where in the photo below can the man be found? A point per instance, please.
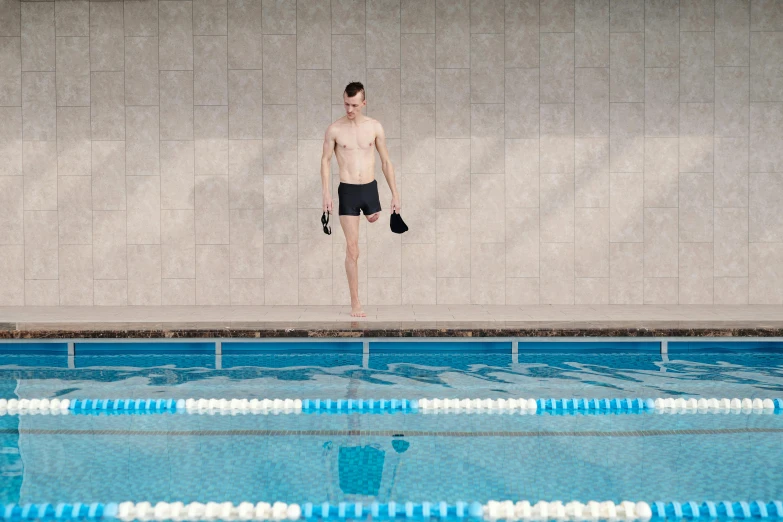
(352, 138)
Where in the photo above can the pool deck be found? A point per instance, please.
(392, 321)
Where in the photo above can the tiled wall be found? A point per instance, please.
(562, 151)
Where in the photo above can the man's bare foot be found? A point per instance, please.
(356, 311)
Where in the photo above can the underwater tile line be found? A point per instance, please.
(389, 433)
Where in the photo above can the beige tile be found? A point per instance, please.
(732, 101)
(697, 67)
(591, 290)
(522, 291)
(384, 291)
(731, 242)
(212, 274)
(418, 139)
(557, 208)
(626, 16)
(696, 208)
(314, 24)
(279, 227)
(176, 105)
(74, 211)
(732, 32)
(419, 274)
(452, 243)
(210, 17)
(453, 290)
(626, 262)
(661, 172)
(627, 67)
(176, 35)
(72, 18)
(626, 143)
(592, 172)
(591, 246)
(383, 250)
(696, 137)
(452, 36)
(11, 211)
(279, 68)
(487, 273)
(107, 105)
(41, 292)
(247, 292)
(39, 111)
(383, 34)
(521, 103)
(521, 173)
(660, 242)
(73, 141)
(592, 102)
(385, 103)
(349, 63)
(766, 137)
(696, 273)
(452, 178)
(418, 68)
(245, 90)
(73, 69)
(697, 15)
(766, 15)
(110, 292)
(315, 291)
(765, 285)
(107, 36)
(178, 292)
(766, 71)
(626, 212)
(731, 172)
(557, 66)
(309, 183)
(177, 178)
(731, 290)
(247, 244)
(143, 193)
(108, 175)
(522, 243)
(417, 16)
(142, 144)
(246, 174)
(660, 290)
(280, 274)
(487, 68)
(420, 202)
(144, 275)
(109, 245)
(592, 32)
(557, 273)
(75, 275)
(487, 213)
(486, 16)
(178, 244)
(661, 33)
(557, 15)
(212, 211)
(37, 30)
(41, 244)
(522, 33)
(11, 141)
(766, 198)
(661, 105)
(11, 24)
(557, 138)
(142, 84)
(211, 140)
(315, 258)
(40, 175)
(141, 18)
(210, 70)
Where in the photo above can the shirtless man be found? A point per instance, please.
(352, 138)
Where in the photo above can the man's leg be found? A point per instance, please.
(350, 226)
(372, 218)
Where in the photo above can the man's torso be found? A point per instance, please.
(355, 150)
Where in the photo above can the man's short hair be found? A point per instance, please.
(354, 88)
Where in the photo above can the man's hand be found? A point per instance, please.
(328, 203)
(395, 204)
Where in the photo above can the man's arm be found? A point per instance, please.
(326, 167)
(386, 165)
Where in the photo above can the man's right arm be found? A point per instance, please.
(326, 167)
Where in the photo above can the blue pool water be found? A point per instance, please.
(392, 457)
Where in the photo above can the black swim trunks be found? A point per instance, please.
(354, 198)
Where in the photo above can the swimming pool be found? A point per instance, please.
(396, 450)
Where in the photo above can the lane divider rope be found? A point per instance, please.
(425, 406)
(492, 511)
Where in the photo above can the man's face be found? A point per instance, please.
(353, 105)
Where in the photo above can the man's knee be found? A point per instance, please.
(352, 251)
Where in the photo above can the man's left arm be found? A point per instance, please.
(386, 166)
